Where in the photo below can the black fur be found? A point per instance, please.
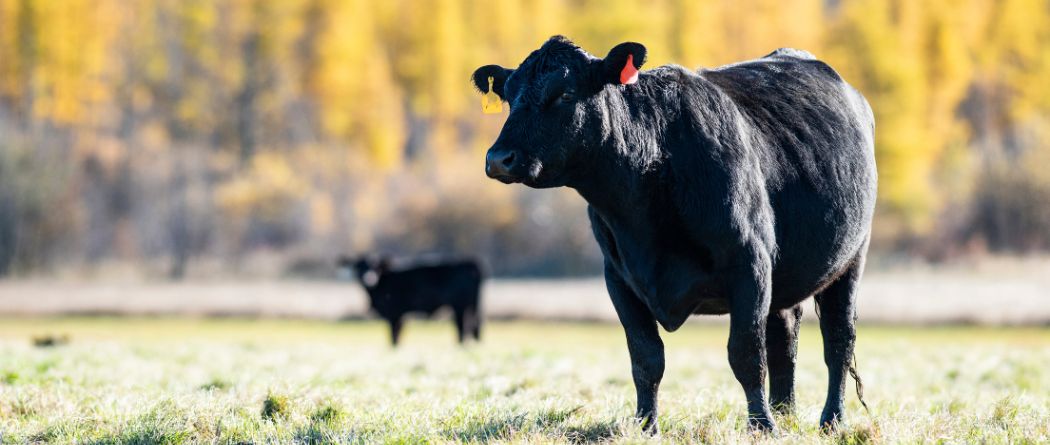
(421, 289)
(741, 190)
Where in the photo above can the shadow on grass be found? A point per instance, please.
(145, 436)
(592, 432)
(485, 430)
(858, 435)
(315, 434)
(553, 423)
(165, 423)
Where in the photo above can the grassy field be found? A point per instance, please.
(172, 381)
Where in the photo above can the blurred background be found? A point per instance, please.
(164, 163)
(247, 140)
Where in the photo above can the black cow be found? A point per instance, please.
(421, 289)
(741, 190)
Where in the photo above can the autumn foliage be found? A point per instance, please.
(174, 134)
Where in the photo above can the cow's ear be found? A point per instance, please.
(623, 62)
(499, 77)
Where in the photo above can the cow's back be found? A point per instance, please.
(814, 135)
(426, 288)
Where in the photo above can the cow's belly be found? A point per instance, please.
(675, 287)
(789, 289)
(816, 243)
(668, 285)
(677, 281)
(711, 306)
(678, 286)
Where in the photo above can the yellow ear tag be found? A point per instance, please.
(490, 101)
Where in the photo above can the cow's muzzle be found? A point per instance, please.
(500, 163)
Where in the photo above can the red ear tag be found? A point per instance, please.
(629, 74)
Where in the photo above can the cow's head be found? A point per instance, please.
(367, 268)
(557, 109)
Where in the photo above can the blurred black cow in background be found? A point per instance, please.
(421, 288)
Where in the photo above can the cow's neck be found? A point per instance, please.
(624, 171)
(619, 193)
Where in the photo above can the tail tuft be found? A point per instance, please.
(860, 383)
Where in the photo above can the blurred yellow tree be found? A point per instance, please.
(327, 106)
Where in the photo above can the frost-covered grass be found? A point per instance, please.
(234, 381)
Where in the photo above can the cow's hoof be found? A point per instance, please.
(648, 424)
(761, 424)
(830, 421)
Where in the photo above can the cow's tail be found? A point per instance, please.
(859, 382)
(852, 372)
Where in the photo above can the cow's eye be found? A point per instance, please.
(558, 99)
(561, 99)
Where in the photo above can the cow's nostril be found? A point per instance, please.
(508, 160)
(499, 163)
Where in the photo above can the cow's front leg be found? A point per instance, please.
(644, 344)
(749, 308)
(395, 329)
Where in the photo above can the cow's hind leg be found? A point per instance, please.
(781, 349)
(475, 327)
(838, 315)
